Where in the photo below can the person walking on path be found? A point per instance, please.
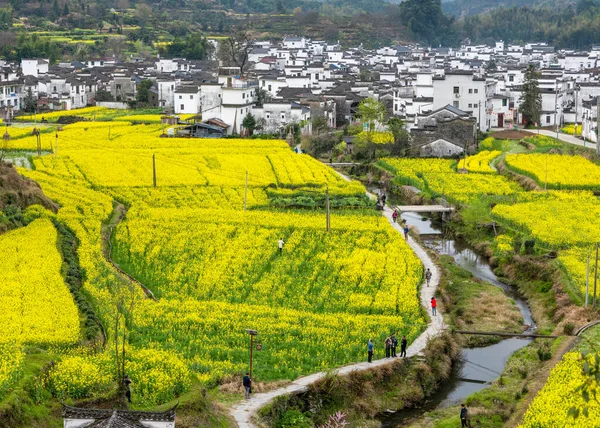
(247, 382)
(433, 306)
(428, 276)
(280, 244)
(394, 345)
(395, 216)
(383, 198)
(127, 385)
(406, 231)
(388, 347)
(370, 350)
(463, 416)
(403, 343)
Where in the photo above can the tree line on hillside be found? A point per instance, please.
(183, 24)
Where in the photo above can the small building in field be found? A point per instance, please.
(75, 417)
(201, 130)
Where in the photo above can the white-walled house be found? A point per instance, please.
(11, 91)
(277, 114)
(166, 92)
(272, 84)
(34, 67)
(187, 100)
(463, 90)
(294, 42)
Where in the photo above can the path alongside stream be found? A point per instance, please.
(244, 411)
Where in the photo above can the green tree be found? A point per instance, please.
(194, 46)
(262, 96)
(56, 8)
(66, 9)
(249, 123)
(426, 21)
(143, 91)
(371, 111)
(102, 95)
(401, 136)
(531, 98)
(29, 102)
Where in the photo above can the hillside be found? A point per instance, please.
(474, 7)
(16, 194)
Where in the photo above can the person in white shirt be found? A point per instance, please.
(280, 243)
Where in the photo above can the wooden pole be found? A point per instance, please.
(587, 280)
(246, 192)
(154, 170)
(598, 125)
(327, 218)
(251, 347)
(595, 277)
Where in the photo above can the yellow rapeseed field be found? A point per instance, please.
(216, 269)
(557, 171)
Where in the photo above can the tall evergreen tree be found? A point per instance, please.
(531, 99)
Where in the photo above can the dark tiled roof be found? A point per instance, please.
(121, 416)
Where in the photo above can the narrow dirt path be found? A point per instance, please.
(108, 229)
(244, 411)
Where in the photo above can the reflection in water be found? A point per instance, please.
(478, 366)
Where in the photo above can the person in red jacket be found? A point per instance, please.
(433, 306)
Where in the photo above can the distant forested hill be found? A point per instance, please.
(474, 7)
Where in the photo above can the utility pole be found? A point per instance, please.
(595, 276)
(327, 218)
(576, 117)
(252, 333)
(246, 191)
(154, 169)
(479, 120)
(546, 180)
(556, 109)
(598, 125)
(587, 280)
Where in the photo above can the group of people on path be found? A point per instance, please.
(391, 345)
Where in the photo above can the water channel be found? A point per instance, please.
(477, 366)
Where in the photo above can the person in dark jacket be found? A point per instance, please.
(463, 416)
(388, 347)
(247, 382)
(428, 276)
(370, 350)
(127, 385)
(394, 345)
(403, 343)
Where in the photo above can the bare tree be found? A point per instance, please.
(234, 50)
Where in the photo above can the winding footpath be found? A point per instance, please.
(244, 411)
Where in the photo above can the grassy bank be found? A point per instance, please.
(471, 304)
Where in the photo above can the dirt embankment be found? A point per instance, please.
(20, 191)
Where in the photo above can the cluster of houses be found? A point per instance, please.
(297, 80)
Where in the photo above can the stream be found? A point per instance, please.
(477, 367)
